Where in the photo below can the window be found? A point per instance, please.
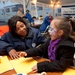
(59, 10)
(14, 9)
(39, 8)
(7, 10)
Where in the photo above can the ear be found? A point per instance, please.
(60, 33)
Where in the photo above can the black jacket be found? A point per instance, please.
(64, 56)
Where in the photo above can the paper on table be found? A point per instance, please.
(69, 71)
(5, 64)
(23, 65)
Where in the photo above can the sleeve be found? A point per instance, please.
(5, 46)
(39, 51)
(35, 51)
(59, 65)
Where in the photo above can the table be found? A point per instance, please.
(38, 59)
(37, 23)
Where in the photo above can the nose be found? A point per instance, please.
(21, 29)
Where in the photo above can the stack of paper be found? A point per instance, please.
(5, 64)
(69, 71)
(23, 65)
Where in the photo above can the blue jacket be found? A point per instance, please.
(8, 42)
(28, 16)
(45, 23)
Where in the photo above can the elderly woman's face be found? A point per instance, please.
(21, 29)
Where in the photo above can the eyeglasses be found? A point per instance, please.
(51, 29)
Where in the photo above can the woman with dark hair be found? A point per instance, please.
(19, 38)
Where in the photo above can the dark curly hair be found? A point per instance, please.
(12, 24)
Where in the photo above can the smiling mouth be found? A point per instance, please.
(22, 32)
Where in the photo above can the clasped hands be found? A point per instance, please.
(16, 54)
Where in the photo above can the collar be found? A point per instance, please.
(66, 42)
(30, 33)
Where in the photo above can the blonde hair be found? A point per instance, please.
(63, 24)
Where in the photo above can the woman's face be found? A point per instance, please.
(21, 29)
(53, 31)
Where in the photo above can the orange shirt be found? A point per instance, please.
(3, 29)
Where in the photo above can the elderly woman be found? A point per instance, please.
(19, 38)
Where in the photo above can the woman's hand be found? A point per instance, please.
(22, 54)
(34, 68)
(13, 54)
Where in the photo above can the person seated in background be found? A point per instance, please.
(32, 21)
(41, 17)
(19, 38)
(28, 16)
(51, 19)
(45, 23)
(59, 49)
(19, 13)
